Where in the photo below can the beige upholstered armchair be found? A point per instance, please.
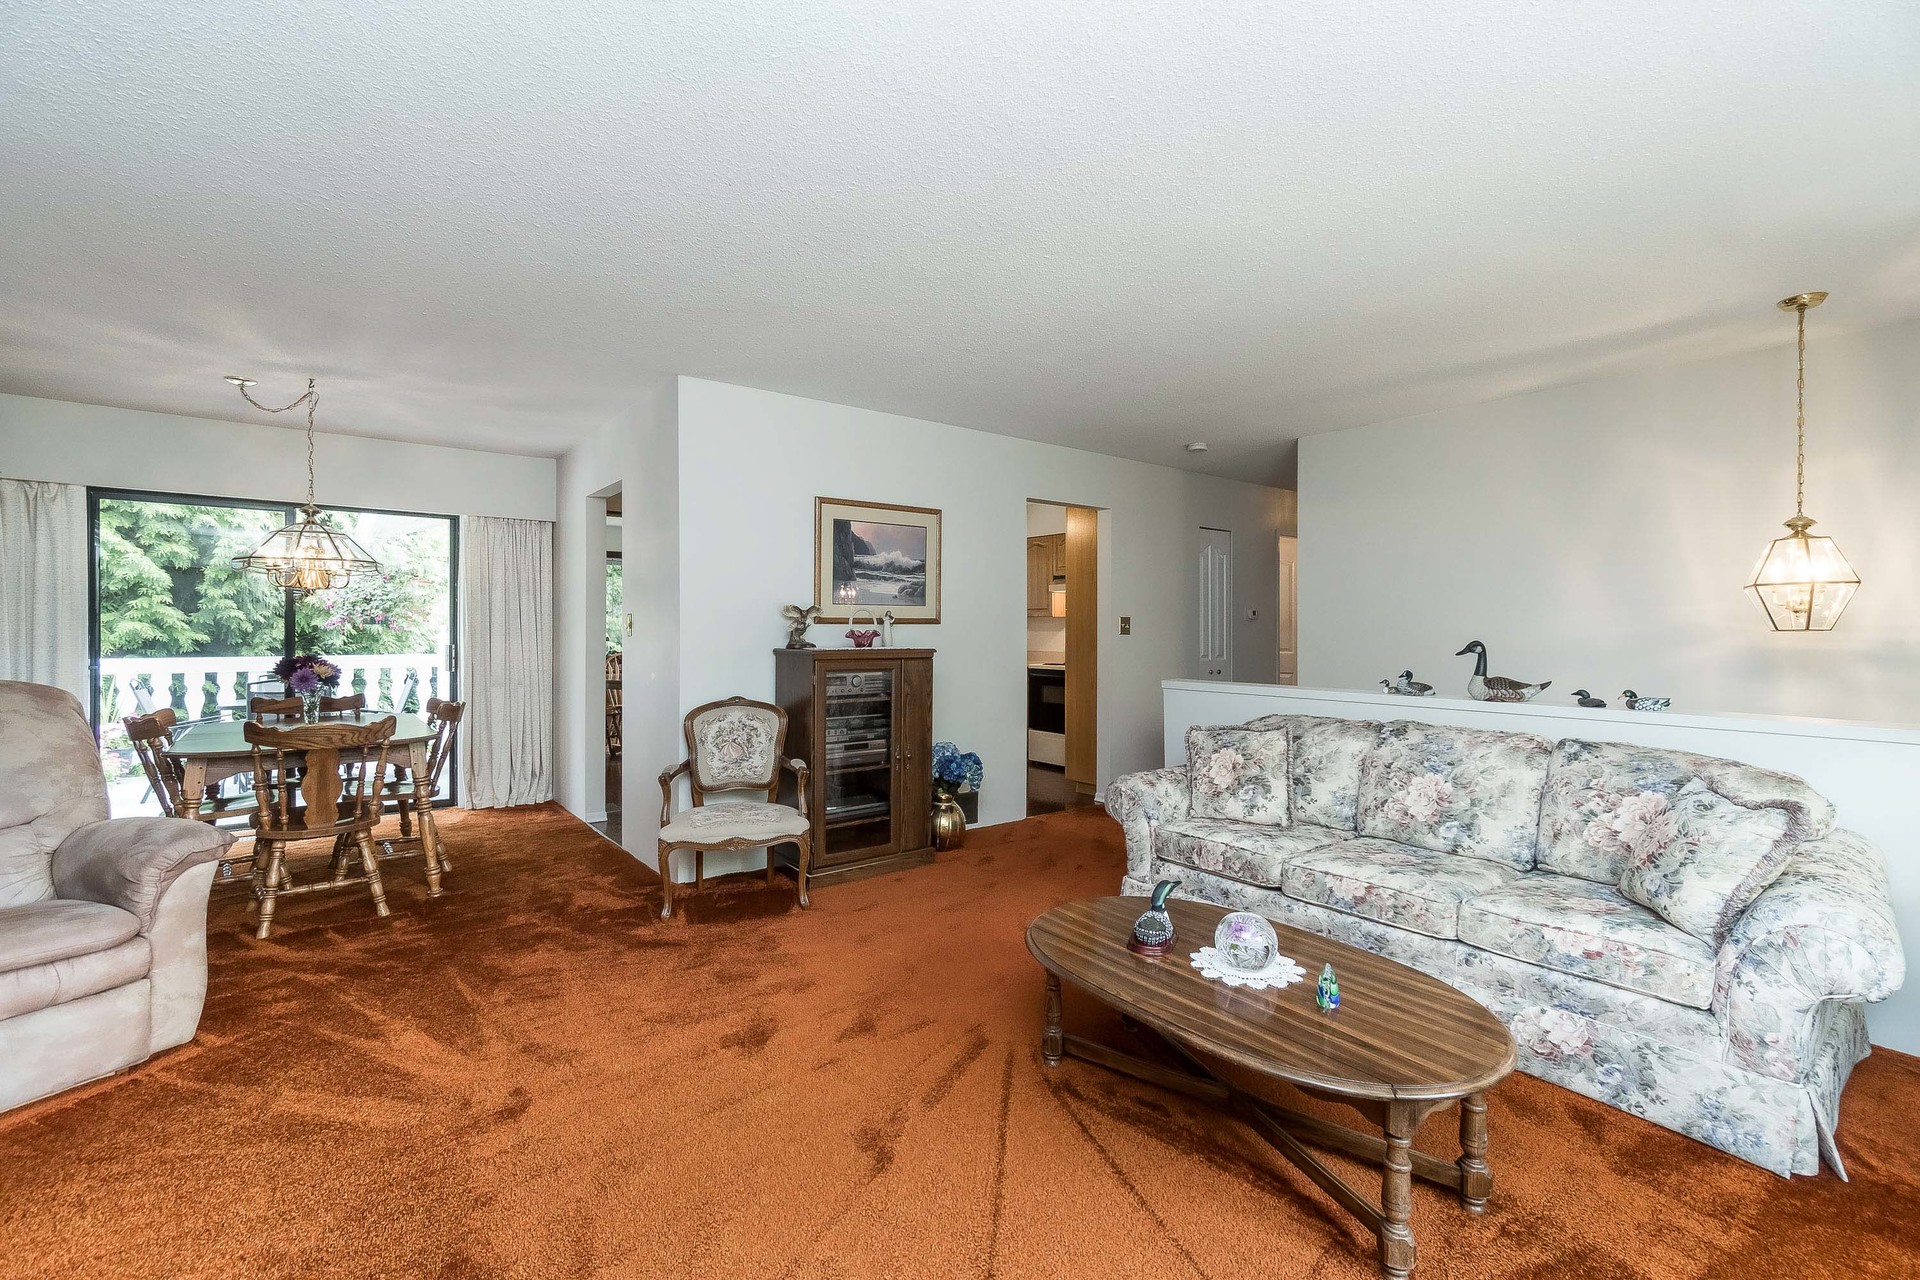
(103, 923)
(734, 750)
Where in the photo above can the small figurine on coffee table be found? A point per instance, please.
(1327, 994)
(1153, 931)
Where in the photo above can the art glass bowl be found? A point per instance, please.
(1246, 940)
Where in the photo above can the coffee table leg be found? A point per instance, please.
(1052, 1043)
(1476, 1178)
(1396, 1194)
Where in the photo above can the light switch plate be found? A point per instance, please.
(1126, 625)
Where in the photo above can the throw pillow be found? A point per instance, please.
(1699, 860)
(1238, 774)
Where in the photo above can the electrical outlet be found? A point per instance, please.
(1126, 625)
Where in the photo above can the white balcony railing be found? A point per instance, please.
(199, 687)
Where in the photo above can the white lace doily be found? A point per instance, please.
(1280, 971)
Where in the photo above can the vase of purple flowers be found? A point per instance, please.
(309, 677)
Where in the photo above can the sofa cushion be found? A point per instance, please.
(1324, 756)
(42, 986)
(1397, 884)
(1470, 791)
(45, 932)
(1249, 852)
(1703, 861)
(1239, 774)
(1590, 930)
(1581, 824)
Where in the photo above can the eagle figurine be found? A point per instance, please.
(799, 618)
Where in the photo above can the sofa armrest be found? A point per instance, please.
(1142, 801)
(131, 862)
(1823, 931)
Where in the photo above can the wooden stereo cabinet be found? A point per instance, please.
(862, 719)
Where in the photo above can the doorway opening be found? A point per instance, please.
(618, 626)
(1062, 676)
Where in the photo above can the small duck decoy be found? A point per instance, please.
(1586, 699)
(1634, 702)
(1486, 688)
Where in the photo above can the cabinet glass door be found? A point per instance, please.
(858, 720)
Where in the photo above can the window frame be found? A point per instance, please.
(291, 511)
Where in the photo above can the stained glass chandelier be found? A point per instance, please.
(309, 554)
(1802, 582)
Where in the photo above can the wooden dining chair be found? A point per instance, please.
(444, 719)
(735, 748)
(334, 794)
(151, 736)
(289, 708)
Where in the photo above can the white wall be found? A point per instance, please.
(752, 462)
(1598, 535)
(130, 449)
(637, 455)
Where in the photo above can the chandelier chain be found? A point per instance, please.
(310, 398)
(1800, 425)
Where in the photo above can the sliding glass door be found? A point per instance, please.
(176, 625)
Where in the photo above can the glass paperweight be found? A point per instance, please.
(1246, 940)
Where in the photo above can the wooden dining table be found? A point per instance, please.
(212, 751)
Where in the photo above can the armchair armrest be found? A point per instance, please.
(799, 768)
(1141, 802)
(1823, 931)
(666, 789)
(130, 863)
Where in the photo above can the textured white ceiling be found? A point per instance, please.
(1117, 224)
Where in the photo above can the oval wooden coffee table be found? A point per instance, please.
(1400, 1046)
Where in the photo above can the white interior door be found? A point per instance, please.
(1286, 600)
(1214, 562)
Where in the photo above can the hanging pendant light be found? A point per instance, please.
(309, 554)
(1802, 582)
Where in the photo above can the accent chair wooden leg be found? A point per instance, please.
(1476, 1176)
(769, 866)
(699, 868)
(666, 880)
(1052, 1042)
(270, 888)
(806, 859)
(371, 862)
(1397, 1253)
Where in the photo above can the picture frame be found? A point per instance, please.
(876, 556)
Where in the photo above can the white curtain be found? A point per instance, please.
(506, 661)
(43, 585)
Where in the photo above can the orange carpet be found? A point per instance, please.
(535, 1076)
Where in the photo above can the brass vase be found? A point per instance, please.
(949, 824)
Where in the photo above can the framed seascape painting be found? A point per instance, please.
(871, 555)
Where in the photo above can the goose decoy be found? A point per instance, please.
(1586, 699)
(1410, 687)
(1486, 688)
(1634, 702)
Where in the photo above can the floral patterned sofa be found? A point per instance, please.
(1686, 938)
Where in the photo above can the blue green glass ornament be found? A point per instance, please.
(1327, 994)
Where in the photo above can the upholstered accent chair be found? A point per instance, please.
(735, 750)
(103, 922)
